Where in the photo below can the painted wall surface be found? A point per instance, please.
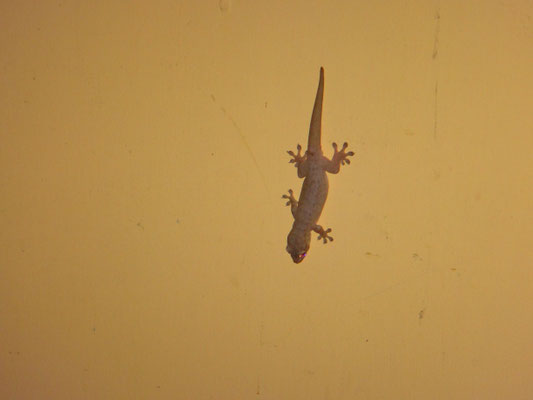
(142, 163)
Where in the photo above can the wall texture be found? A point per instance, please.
(142, 163)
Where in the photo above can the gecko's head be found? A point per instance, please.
(297, 257)
(297, 247)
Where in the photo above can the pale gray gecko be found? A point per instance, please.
(313, 166)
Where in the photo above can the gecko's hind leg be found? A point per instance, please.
(291, 202)
(299, 161)
(340, 157)
(323, 234)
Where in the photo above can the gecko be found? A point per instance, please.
(312, 166)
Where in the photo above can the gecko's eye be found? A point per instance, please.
(298, 258)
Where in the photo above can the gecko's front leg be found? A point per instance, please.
(291, 202)
(323, 234)
(299, 161)
(339, 157)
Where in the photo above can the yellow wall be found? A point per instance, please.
(143, 159)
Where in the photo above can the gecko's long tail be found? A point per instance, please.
(316, 119)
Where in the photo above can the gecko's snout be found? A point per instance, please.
(298, 258)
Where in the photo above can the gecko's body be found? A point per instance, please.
(312, 166)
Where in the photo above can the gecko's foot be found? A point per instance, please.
(323, 234)
(297, 158)
(291, 198)
(341, 156)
